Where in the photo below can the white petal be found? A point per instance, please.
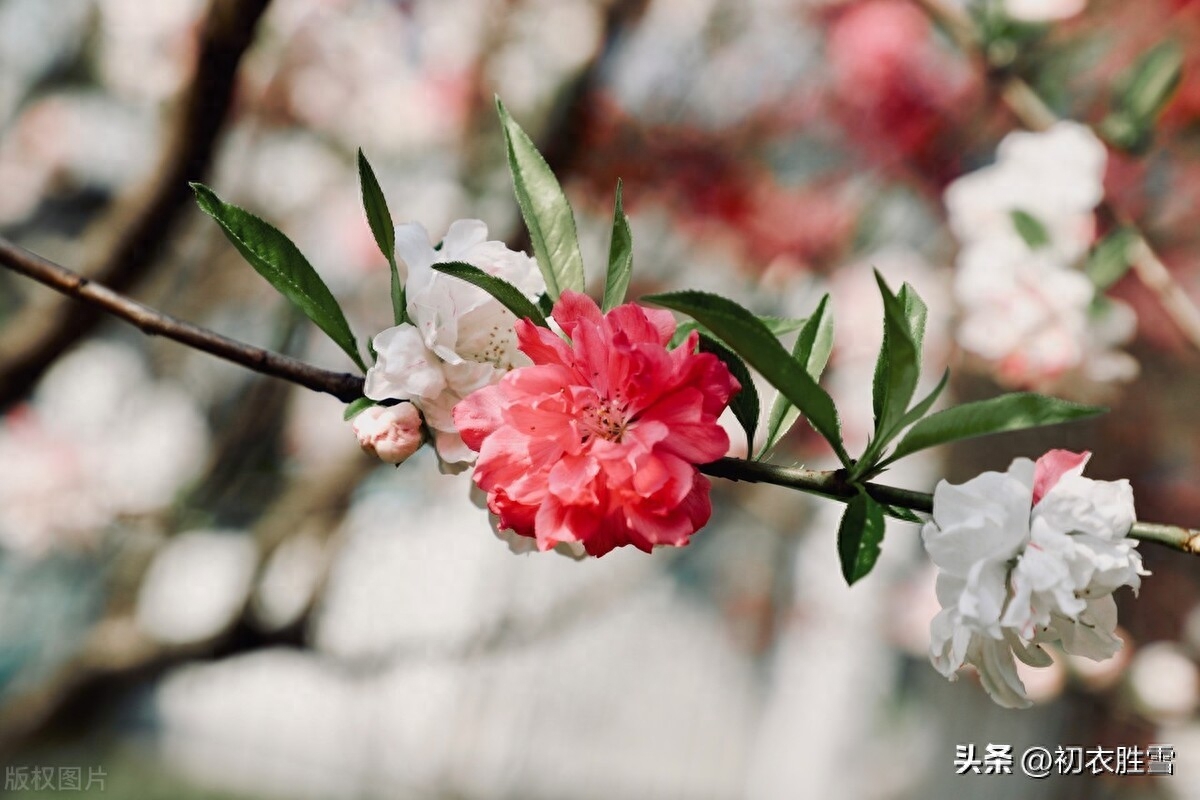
(1100, 508)
(463, 235)
(405, 369)
(998, 673)
(1094, 634)
(414, 254)
(984, 518)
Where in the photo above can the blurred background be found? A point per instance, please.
(207, 590)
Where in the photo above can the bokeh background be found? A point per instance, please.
(207, 590)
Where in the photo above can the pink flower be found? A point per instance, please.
(598, 441)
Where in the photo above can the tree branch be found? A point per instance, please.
(833, 485)
(342, 385)
(346, 387)
(130, 238)
(1034, 114)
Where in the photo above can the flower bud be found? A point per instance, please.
(393, 433)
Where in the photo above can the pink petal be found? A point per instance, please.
(573, 309)
(543, 346)
(571, 480)
(1052, 466)
(478, 415)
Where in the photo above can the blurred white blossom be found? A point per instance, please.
(1035, 11)
(1165, 682)
(1024, 223)
(99, 441)
(1028, 557)
(196, 586)
(460, 338)
(1043, 10)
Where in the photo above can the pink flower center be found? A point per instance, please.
(605, 420)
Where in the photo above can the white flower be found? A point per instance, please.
(1043, 10)
(1028, 557)
(460, 339)
(1055, 176)
(393, 433)
(1024, 224)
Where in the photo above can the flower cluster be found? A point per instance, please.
(1028, 557)
(1024, 223)
(459, 338)
(597, 442)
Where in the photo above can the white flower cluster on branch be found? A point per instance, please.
(1024, 224)
(1028, 557)
(459, 338)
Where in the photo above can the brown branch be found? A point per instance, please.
(1034, 114)
(101, 299)
(347, 387)
(130, 239)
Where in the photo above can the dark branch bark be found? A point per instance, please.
(130, 239)
(99, 299)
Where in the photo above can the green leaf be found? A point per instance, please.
(620, 257)
(1008, 412)
(922, 408)
(384, 230)
(779, 326)
(356, 407)
(899, 364)
(509, 296)
(277, 259)
(782, 326)
(859, 536)
(744, 403)
(1142, 93)
(545, 209)
(545, 304)
(901, 513)
(1150, 84)
(747, 336)
(1109, 260)
(811, 351)
(1030, 228)
(682, 331)
(916, 312)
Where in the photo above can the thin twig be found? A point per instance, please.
(1034, 114)
(826, 483)
(130, 239)
(346, 387)
(342, 385)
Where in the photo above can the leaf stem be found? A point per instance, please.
(835, 485)
(832, 484)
